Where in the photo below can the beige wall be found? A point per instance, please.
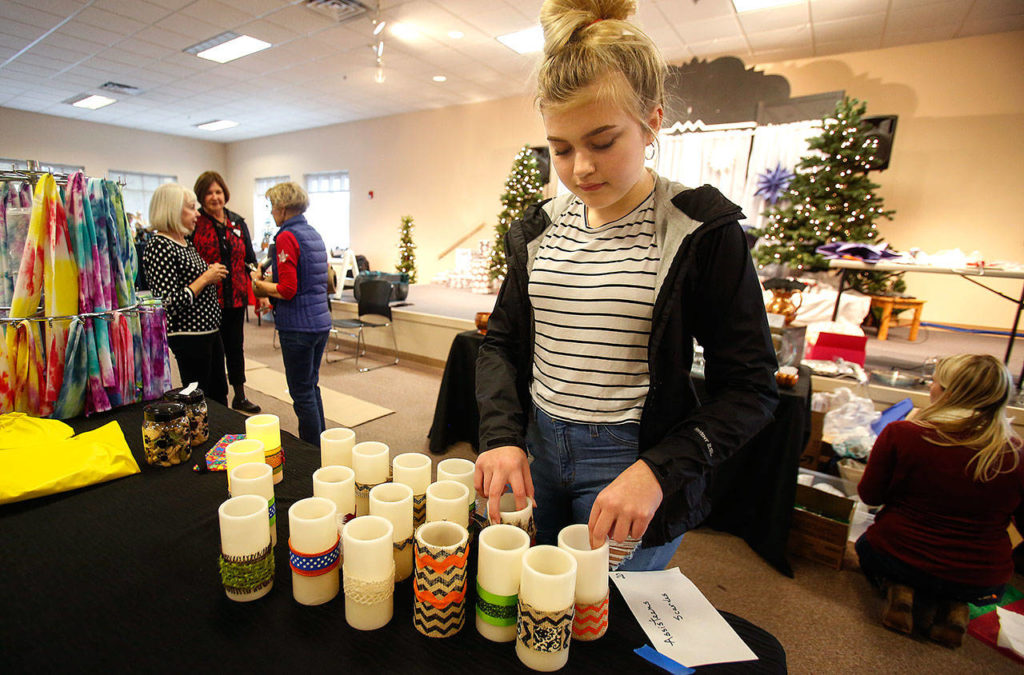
(955, 175)
(446, 168)
(101, 147)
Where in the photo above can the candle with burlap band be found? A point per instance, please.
(315, 564)
(590, 621)
(544, 631)
(419, 509)
(439, 589)
(247, 574)
(369, 593)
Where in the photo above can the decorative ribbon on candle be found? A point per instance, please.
(363, 592)
(363, 489)
(590, 621)
(402, 545)
(439, 590)
(316, 564)
(427, 558)
(248, 573)
(544, 631)
(272, 510)
(620, 553)
(275, 458)
(497, 610)
(419, 509)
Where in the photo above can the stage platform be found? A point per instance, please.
(425, 323)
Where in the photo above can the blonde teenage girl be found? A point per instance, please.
(583, 380)
(951, 480)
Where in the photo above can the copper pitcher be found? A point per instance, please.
(783, 303)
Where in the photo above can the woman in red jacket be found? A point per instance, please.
(951, 481)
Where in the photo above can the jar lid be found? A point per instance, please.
(175, 395)
(164, 411)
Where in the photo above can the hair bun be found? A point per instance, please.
(561, 19)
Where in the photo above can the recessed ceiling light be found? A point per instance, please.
(440, 78)
(217, 125)
(405, 31)
(524, 41)
(754, 5)
(90, 101)
(456, 34)
(227, 47)
(378, 26)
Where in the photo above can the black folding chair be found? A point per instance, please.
(374, 312)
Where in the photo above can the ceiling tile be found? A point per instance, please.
(680, 12)
(830, 10)
(257, 7)
(267, 31)
(844, 46)
(217, 13)
(983, 26)
(921, 34)
(709, 29)
(100, 18)
(786, 38)
(340, 38)
(995, 8)
(866, 27)
(183, 24)
(300, 19)
(913, 18)
(720, 47)
(144, 48)
(774, 19)
(166, 38)
(13, 42)
(81, 41)
(28, 15)
(140, 10)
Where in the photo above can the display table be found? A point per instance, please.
(123, 576)
(752, 493)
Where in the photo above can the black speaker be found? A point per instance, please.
(543, 155)
(881, 128)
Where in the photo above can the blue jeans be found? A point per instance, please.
(880, 567)
(301, 353)
(571, 464)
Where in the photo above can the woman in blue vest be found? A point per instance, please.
(298, 294)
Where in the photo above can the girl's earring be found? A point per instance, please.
(649, 152)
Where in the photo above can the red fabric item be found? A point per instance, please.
(207, 243)
(287, 265)
(937, 518)
(986, 629)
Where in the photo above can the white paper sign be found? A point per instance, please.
(1011, 630)
(679, 620)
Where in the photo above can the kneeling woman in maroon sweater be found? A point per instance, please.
(951, 481)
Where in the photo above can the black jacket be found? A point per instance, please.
(706, 289)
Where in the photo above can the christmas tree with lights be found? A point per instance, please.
(406, 250)
(830, 199)
(524, 186)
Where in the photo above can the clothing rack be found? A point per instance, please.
(107, 314)
(31, 176)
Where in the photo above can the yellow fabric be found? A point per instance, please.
(18, 429)
(51, 467)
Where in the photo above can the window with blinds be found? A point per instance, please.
(138, 189)
(329, 201)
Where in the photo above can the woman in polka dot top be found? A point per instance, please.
(187, 287)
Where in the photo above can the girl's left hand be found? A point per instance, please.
(625, 508)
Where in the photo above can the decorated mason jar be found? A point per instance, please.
(195, 408)
(166, 435)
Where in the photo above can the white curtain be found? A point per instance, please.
(717, 158)
(774, 145)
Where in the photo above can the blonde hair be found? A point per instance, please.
(166, 205)
(590, 42)
(288, 196)
(971, 411)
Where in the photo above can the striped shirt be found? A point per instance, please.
(592, 291)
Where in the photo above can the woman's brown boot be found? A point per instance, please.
(950, 624)
(899, 609)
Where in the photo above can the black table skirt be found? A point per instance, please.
(124, 576)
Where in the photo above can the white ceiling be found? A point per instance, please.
(321, 72)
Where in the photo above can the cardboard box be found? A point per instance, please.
(821, 525)
(809, 458)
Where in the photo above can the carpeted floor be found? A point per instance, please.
(827, 620)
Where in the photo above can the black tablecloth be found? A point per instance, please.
(124, 576)
(752, 494)
(455, 415)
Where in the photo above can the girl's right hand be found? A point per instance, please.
(498, 467)
(215, 273)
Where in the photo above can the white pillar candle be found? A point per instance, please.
(546, 599)
(241, 452)
(338, 484)
(313, 525)
(369, 572)
(499, 565)
(257, 478)
(393, 501)
(590, 620)
(446, 500)
(247, 557)
(462, 471)
(370, 461)
(439, 587)
(336, 447)
(267, 428)
(521, 518)
(413, 469)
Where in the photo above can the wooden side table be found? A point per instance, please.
(888, 303)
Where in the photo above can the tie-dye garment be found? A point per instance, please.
(15, 214)
(47, 270)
